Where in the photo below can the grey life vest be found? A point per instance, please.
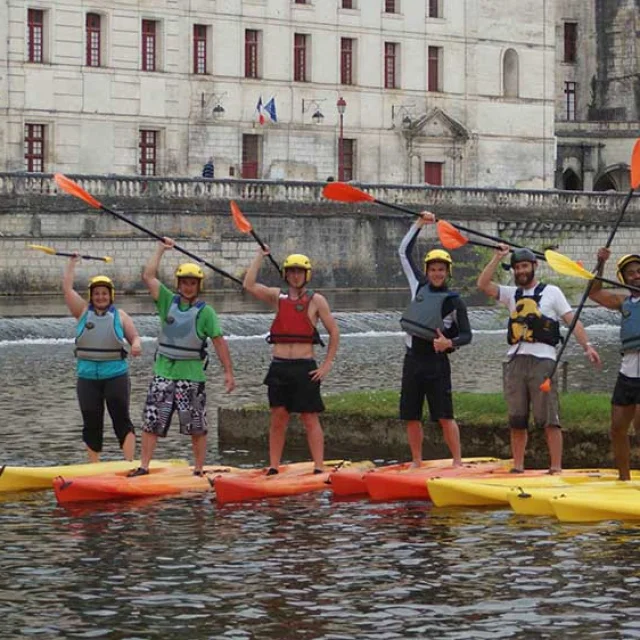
(424, 314)
(96, 337)
(630, 326)
(178, 338)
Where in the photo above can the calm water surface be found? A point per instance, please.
(295, 568)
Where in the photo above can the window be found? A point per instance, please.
(301, 2)
(348, 150)
(34, 147)
(199, 49)
(570, 41)
(390, 6)
(347, 4)
(92, 25)
(251, 53)
(434, 9)
(346, 60)
(148, 152)
(434, 82)
(570, 93)
(300, 58)
(35, 35)
(433, 173)
(510, 74)
(149, 42)
(250, 156)
(390, 51)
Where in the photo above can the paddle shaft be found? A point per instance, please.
(186, 252)
(264, 248)
(71, 255)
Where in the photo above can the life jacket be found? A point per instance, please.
(424, 314)
(528, 324)
(292, 324)
(630, 325)
(178, 339)
(99, 336)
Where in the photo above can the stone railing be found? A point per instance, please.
(549, 202)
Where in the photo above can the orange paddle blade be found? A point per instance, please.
(345, 193)
(635, 165)
(450, 237)
(545, 387)
(76, 190)
(242, 224)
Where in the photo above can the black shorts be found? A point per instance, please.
(92, 396)
(626, 391)
(291, 386)
(426, 377)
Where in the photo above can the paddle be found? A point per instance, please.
(244, 226)
(568, 267)
(74, 189)
(53, 252)
(635, 183)
(343, 192)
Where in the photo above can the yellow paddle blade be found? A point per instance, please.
(108, 259)
(566, 266)
(40, 247)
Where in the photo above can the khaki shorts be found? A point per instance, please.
(523, 376)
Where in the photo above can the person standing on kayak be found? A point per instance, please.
(533, 333)
(626, 395)
(294, 378)
(102, 333)
(436, 324)
(178, 384)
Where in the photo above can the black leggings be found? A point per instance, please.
(92, 396)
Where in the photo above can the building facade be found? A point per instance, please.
(379, 91)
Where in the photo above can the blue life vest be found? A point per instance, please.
(424, 314)
(630, 326)
(178, 338)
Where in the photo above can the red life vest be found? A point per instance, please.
(292, 324)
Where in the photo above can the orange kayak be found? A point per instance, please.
(117, 486)
(351, 482)
(293, 479)
(411, 484)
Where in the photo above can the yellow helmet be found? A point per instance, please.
(438, 255)
(623, 262)
(102, 281)
(300, 261)
(190, 270)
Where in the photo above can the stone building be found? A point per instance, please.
(598, 93)
(436, 91)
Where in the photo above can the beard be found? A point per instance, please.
(525, 279)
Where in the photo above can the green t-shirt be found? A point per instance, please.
(207, 325)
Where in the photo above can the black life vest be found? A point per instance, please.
(424, 314)
(528, 324)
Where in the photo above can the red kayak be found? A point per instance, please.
(411, 484)
(291, 480)
(351, 482)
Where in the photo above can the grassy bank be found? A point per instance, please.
(585, 410)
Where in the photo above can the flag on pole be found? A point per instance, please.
(270, 108)
(260, 110)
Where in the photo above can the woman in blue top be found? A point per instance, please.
(103, 372)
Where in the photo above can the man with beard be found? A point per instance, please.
(533, 333)
(626, 394)
(294, 378)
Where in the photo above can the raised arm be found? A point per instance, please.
(330, 324)
(485, 279)
(76, 304)
(411, 270)
(251, 284)
(150, 273)
(597, 293)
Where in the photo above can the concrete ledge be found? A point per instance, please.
(385, 438)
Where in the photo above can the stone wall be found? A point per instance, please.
(351, 246)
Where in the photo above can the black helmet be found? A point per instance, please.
(522, 255)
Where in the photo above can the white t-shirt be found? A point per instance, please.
(630, 365)
(552, 304)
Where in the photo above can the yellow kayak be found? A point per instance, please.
(34, 478)
(492, 490)
(618, 504)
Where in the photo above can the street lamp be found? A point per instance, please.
(341, 105)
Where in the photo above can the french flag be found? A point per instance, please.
(260, 110)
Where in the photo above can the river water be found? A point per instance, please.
(305, 567)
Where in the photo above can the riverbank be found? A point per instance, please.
(365, 422)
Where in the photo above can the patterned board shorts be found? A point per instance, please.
(165, 397)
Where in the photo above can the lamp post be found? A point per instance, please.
(341, 105)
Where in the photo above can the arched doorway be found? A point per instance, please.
(613, 178)
(571, 181)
